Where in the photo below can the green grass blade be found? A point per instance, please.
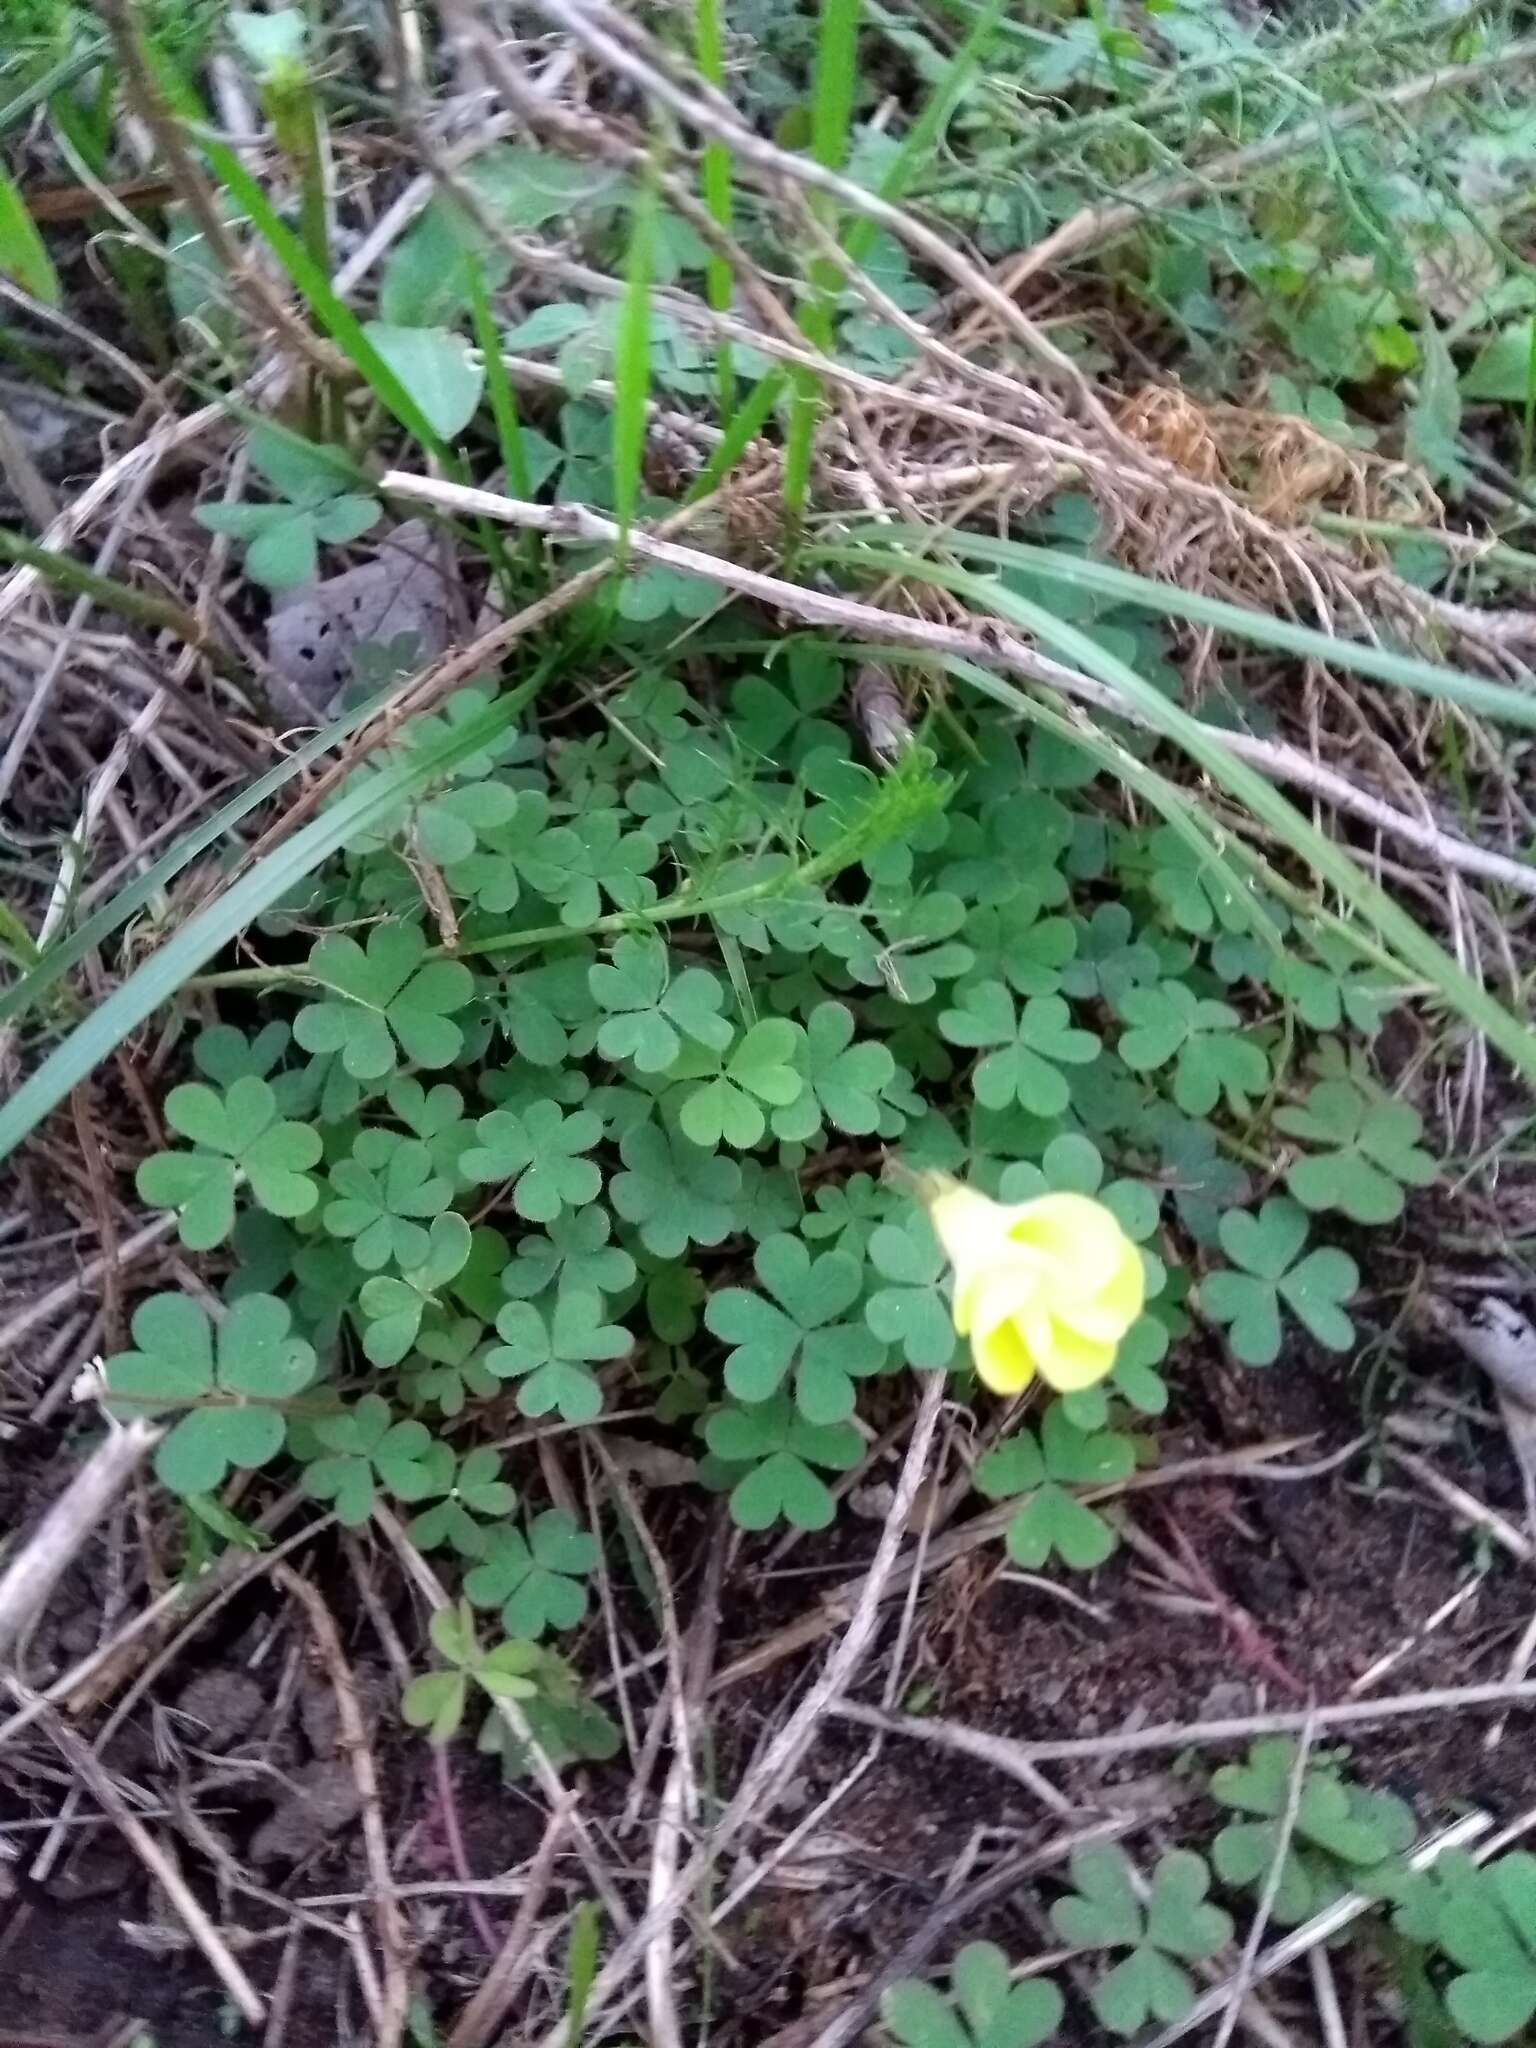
(632, 362)
(161, 976)
(23, 258)
(580, 1969)
(1104, 579)
(836, 75)
(715, 183)
(1328, 860)
(837, 72)
(929, 125)
(311, 282)
(748, 420)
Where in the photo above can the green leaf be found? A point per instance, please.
(1201, 1037)
(844, 1079)
(1268, 1250)
(676, 1193)
(913, 1311)
(387, 1001)
(1105, 1912)
(541, 1150)
(1506, 369)
(758, 1070)
(781, 1448)
(23, 258)
(986, 2009)
(378, 1196)
(1371, 1152)
(651, 1010)
(239, 1135)
(233, 1382)
(437, 368)
(803, 1330)
(436, 1701)
(1031, 1045)
(365, 1448)
(1487, 1926)
(537, 1580)
(551, 1354)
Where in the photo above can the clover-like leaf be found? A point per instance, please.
(232, 1382)
(538, 1580)
(913, 1309)
(239, 1135)
(1486, 1925)
(541, 1149)
(774, 1439)
(1267, 1249)
(1202, 1038)
(1029, 1047)
(379, 1196)
(1344, 1834)
(1369, 1152)
(1176, 1924)
(724, 1096)
(551, 1353)
(651, 1009)
(364, 1448)
(386, 1002)
(799, 1327)
(393, 1307)
(845, 1078)
(576, 1251)
(674, 1192)
(985, 2009)
(1044, 1470)
(465, 1493)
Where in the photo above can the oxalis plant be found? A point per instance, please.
(1453, 1942)
(573, 1082)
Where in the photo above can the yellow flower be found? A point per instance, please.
(1048, 1286)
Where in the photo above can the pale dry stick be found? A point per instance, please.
(183, 1901)
(1465, 1506)
(660, 1954)
(672, 1635)
(394, 1943)
(1519, 1664)
(86, 337)
(1322, 1926)
(66, 1528)
(1242, 1982)
(98, 792)
(1003, 1752)
(209, 1597)
(1330, 2018)
(807, 1825)
(486, 2011)
(433, 1591)
(1374, 1673)
(41, 695)
(760, 1789)
(991, 648)
(1094, 226)
(283, 1987)
(223, 1859)
(67, 1292)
